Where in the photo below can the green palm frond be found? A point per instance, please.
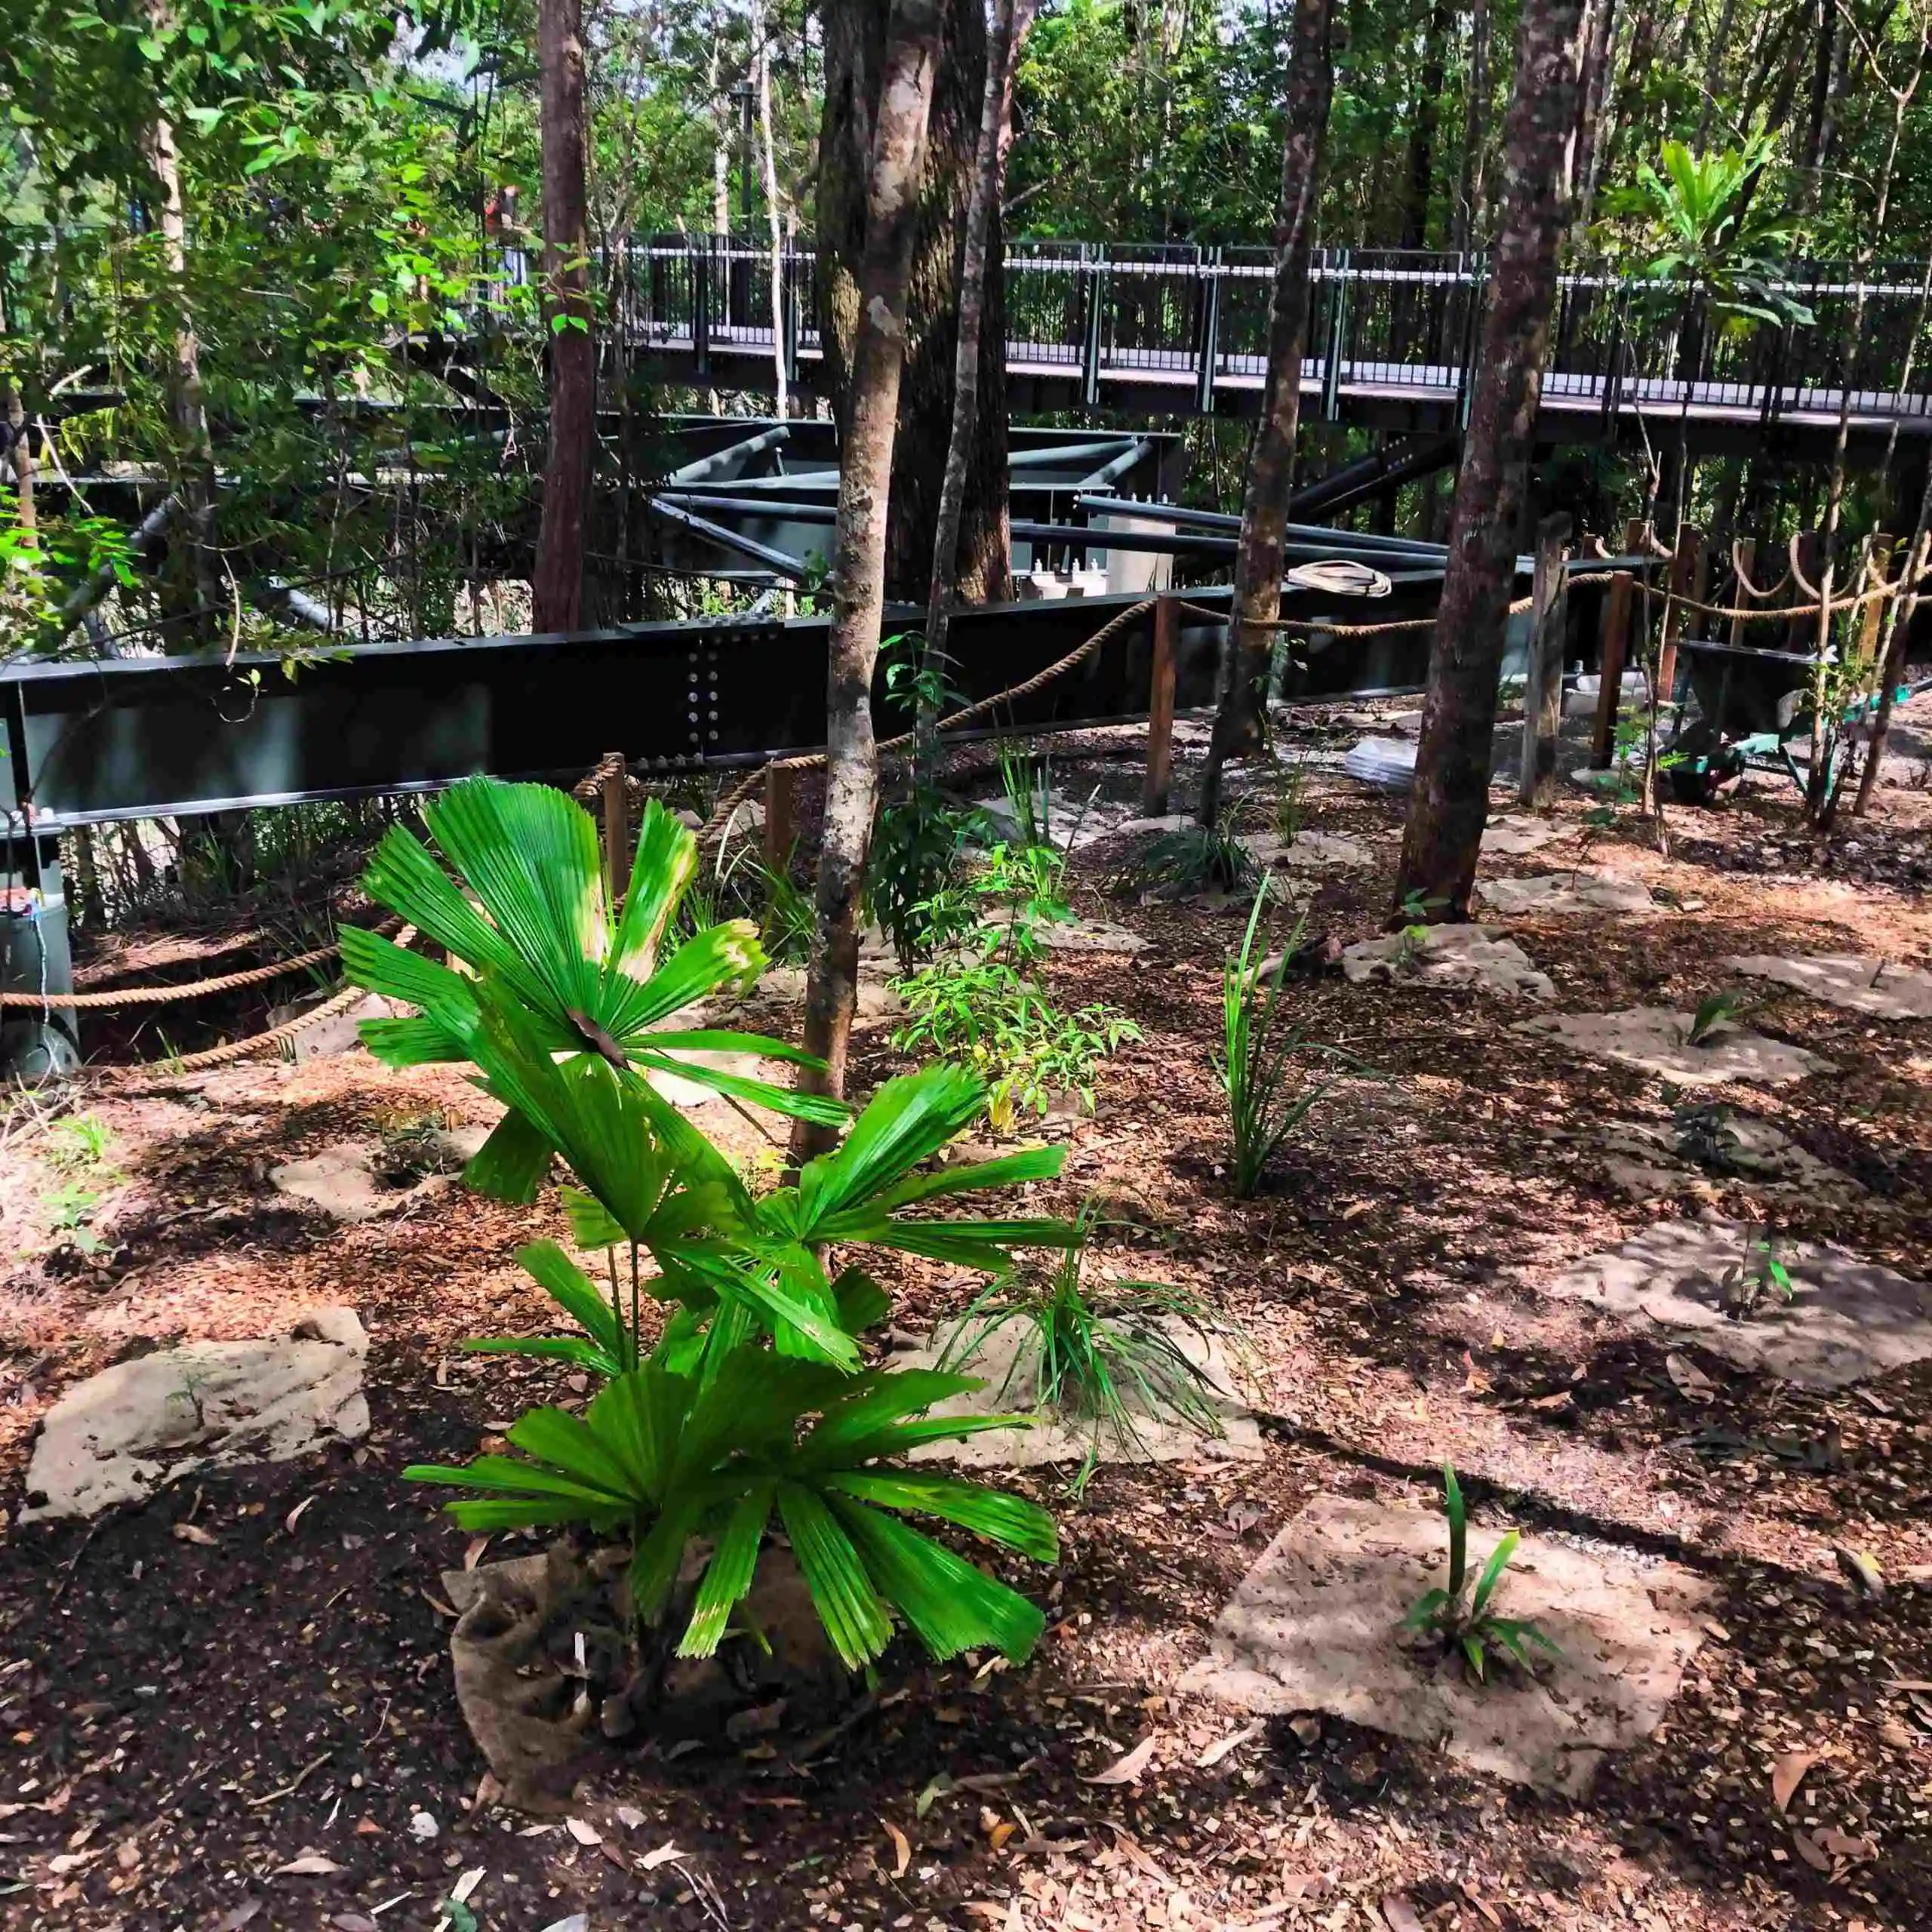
(527, 908)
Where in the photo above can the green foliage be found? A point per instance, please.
(988, 1017)
(1708, 226)
(1473, 1627)
(916, 872)
(79, 1140)
(1715, 1011)
(1761, 1276)
(529, 914)
(1260, 1064)
(744, 1439)
(747, 1408)
(1109, 1358)
(1198, 858)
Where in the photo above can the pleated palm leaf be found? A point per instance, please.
(665, 1457)
(527, 907)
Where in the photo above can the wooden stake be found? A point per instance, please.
(1613, 649)
(1683, 575)
(1161, 711)
(616, 830)
(781, 816)
(1542, 690)
(1871, 618)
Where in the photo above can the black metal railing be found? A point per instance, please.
(1195, 319)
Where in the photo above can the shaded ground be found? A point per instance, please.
(182, 1714)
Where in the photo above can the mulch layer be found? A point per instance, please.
(232, 1707)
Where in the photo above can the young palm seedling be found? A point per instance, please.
(1108, 1359)
(1716, 1011)
(1759, 1278)
(1198, 858)
(1472, 1626)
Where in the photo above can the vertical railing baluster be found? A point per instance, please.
(1208, 330)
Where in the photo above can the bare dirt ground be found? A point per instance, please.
(215, 1712)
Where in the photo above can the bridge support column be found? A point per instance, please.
(35, 1042)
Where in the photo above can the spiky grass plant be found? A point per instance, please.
(1472, 1627)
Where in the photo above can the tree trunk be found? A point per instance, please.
(1422, 129)
(192, 593)
(854, 47)
(1599, 56)
(1011, 20)
(1450, 800)
(556, 589)
(1242, 680)
(1475, 133)
(774, 211)
(1827, 78)
(898, 114)
(21, 452)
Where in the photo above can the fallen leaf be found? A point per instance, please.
(353, 1921)
(1788, 1770)
(193, 1533)
(436, 1603)
(233, 1921)
(1001, 1832)
(310, 1864)
(629, 1816)
(368, 1828)
(902, 1848)
(1842, 1844)
(472, 1550)
(296, 1515)
(1307, 1730)
(1560, 1400)
(1809, 1850)
(664, 1855)
(1215, 1751)
(1689, 1377)
(936, 1790)
(1400, 1913)
(1126, 1769)
(584, 1834)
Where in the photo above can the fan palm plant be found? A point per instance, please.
(664, 1457)
(527, 912)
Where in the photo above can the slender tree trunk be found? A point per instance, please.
(1241, 681)
(1827, 78)
(1475, 133)
(1599, 56)
(1450, 800)
(774, 211)
(854, 40)
(557, 584)
(898, 120)
(1422, 128)
(194, 594)
(1011, 20)
(21, 456)
(720, 133)
(1714, 57)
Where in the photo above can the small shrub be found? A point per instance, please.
(1714, 1011)
(989, 1018)
(1198, 858)
(1759, 1277)
(1473, 1627)
(1259, 1067)
(916, 872)
(1107, 1359)
(79, 1140)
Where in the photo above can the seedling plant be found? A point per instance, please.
(1470, 1625)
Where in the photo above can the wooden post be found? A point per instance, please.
(1683, 575)
(1542, 690)
(1161, 711)
(1871, 617)
(612, 783)
(1801, 633)
(1613, 649)
(781, 815)
(1746, 556)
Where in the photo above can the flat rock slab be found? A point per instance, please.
(1655, 1040)
(1091, 936)
(1565, 892)
(1459, 955)
(1308, 851)
(1739, 1150)
(1847, 1320)
(1007, 1366)
(1315, 1626)
(1513, 835)
(122, 1434)
(1850, 979)
(347, 1182)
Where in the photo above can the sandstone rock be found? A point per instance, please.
(1457, 955)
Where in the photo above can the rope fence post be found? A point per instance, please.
(1613, 648)
(1683, 573)
(1542, 688)
(611, 782)
(781, 815)
(1159, 783)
